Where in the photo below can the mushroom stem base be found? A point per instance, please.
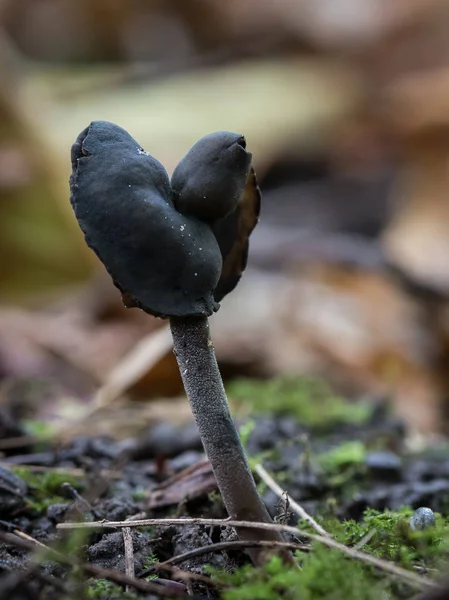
(204, 388)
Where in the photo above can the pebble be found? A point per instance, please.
(422, 518)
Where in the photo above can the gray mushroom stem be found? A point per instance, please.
(204, 388)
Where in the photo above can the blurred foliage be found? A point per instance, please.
(343, 456)
(324, 574)
(343, 105)
(45, 488)
(310, 401)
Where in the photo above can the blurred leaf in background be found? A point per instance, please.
(327, 94)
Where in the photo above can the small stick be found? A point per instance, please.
(365, 539)
(19, 441)
(129, 554)
(140, 515)
(185, 576)
(133, 366)
(413, 579)
(219, 546)
(82, 504)
(271, 483)
(30, 539)
(75, 471)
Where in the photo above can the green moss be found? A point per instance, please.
(324, 574)
(342, 465)
(345, 455)
(328, 573)
(245, 431)
(308, 400)
(139, 494)
(388, 535)
(44, 489)
(148, 563)
(102, 589)
(40, 429)
(393, 539)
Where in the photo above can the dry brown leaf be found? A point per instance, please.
(193, 482)
(417, 239)
(135, 365)
(358, 329)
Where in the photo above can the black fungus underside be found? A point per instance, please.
(232, 234)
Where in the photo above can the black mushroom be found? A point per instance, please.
(175, 249)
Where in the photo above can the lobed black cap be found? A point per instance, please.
(208, 181)
(172, 250)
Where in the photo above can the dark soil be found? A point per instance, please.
(95, 479)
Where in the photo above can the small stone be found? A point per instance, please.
(422, 518)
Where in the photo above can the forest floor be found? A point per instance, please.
(350, 466)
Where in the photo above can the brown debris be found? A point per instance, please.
(193, 482)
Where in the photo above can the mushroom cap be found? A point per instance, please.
(207, 183)
(162, 261)
(168, 262)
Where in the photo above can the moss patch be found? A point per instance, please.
(323, 574)
(310, 401)
(341, 457)
(328, 574)
(103, 589)
(44, 489)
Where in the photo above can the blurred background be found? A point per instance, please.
(345, 106)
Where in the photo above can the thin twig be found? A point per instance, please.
(93, 570)
(19, 441)
(185, 576)
(365, 539)
(139, 515)
(388, 567)
(219, 546)
(133, 366)
(75, 471)
(129, 554)
(271, 483)
(30, 539)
